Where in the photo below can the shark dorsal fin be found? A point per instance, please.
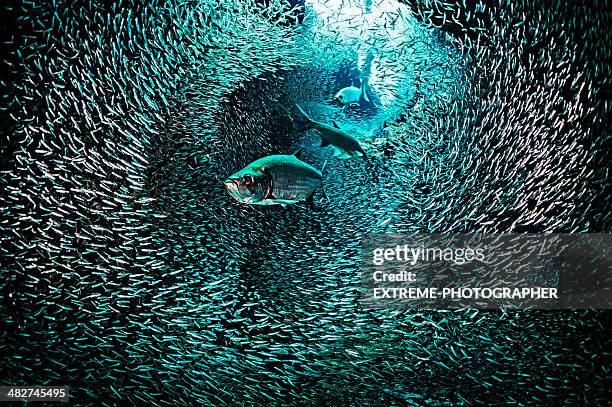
(335, 124)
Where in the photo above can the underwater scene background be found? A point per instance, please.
(129, 274)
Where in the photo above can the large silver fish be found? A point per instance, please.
(351, 95)
(346, 145)
(275, 180)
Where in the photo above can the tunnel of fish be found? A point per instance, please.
(130, 273)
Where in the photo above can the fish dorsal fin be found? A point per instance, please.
(298, 153)
(335, 124)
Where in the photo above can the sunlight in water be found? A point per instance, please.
(379, 27)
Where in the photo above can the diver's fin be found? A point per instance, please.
(335, 124)
(364, 89)
(298, 153)
(303, 112)
(324, 142)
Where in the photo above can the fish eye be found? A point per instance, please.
(248, 180)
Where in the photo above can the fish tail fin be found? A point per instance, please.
(291, 119)
(365, 74)
(310, 201)
(294, 125)
(310, 198)
(364, 156)
(367, 64)
(304, 113)
(289, 115)
(364, 89)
